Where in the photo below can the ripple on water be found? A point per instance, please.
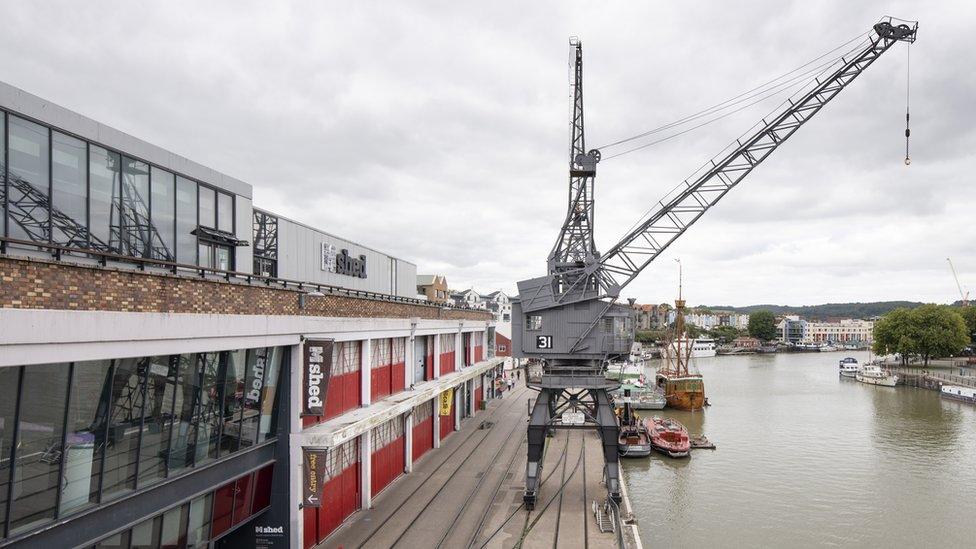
(807, 459)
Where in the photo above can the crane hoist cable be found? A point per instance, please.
(739, 98)
(908, 100)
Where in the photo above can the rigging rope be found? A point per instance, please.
(908, 98)
(736, 99)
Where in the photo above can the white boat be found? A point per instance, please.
(955, 392)
(872, 374)
(826, 348)
(848, 367)
(700, 348)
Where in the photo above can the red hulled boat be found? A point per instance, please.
(669, 437)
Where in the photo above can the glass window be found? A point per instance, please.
(146, 533)
(208, 417)
(122, 444)
(208, 207)
(233, 400)
(254, 388)
(137, 236)
(225, 212)
(222, 259)
(174, 528)
(84, 441)
(533, 322)
(104, 175)
(163, 213)
(186, 221)
(160, 379)
(39, 429)
(183, 432)
(206, 255)
(9, 379)
(3, 202)
(223, 508)
(198, 532)
(269, 408)
(28, 155)
(69, 183)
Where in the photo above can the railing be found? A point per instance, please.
(103, 257)
(952, 379)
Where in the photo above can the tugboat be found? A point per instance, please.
(848, 367)
(683, 388)
(669, 437)
(634, 441)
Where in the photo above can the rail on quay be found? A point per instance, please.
(469, 492)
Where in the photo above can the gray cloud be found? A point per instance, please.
(438, 132)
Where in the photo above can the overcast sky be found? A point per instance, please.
(437, 131)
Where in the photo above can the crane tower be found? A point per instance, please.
(570, 320)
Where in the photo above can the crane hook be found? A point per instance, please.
(908, 98)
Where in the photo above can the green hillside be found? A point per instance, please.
(819, 312)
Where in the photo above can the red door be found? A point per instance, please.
(423, 429)
(340, 493)
(345, 384)
(381, 370)
(388, 457)
(397, 375)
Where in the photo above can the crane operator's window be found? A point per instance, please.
(533, 322)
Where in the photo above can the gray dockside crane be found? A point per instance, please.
(570, 320)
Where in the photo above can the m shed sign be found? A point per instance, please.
(318, 370)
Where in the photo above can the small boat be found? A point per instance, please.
(848, 367)
(634, 440)
(955, 392)
(700, 347)
(872, 374)
(827, 348)
(640, 397)
(669, 437)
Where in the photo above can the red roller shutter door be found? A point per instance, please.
(423, 429)
(447, 422)
(388, 454)
(345, 383)
(397, 376)
(381, 369)
(447, 354)
(340, 493)
(429, 359)
(479, 350)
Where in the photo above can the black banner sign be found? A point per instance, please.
(314, 470)
(318, 370)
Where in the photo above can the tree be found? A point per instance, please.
(692, 330)
(969, 315)
(762, 325)
(927, 331)
(650, 336)
(725, 334)
(939, 331)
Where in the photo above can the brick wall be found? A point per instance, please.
(42, 284)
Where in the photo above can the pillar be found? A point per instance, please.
(295, 515)
(408, 362)
(366, 468)
(437, 422)
(408, 441)
(365, 372)
(458, 351)
(458, 393)
(437, 356)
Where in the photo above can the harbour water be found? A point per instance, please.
(808, 459)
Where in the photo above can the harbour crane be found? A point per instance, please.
(962, 294)
(569, 319)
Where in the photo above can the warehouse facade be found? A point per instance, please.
(152, 325)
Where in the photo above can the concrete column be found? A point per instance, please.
(437, 422)
(295, 515)
(409, 360)
(366, 467)
(408, 420)
(470, 402)
(471, 348)
(458, 392)
(437, 356)
(365, 372)
(458, 351)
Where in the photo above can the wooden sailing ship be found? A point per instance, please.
(684, 388)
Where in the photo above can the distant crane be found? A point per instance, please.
(569, 319)
(962, 294)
